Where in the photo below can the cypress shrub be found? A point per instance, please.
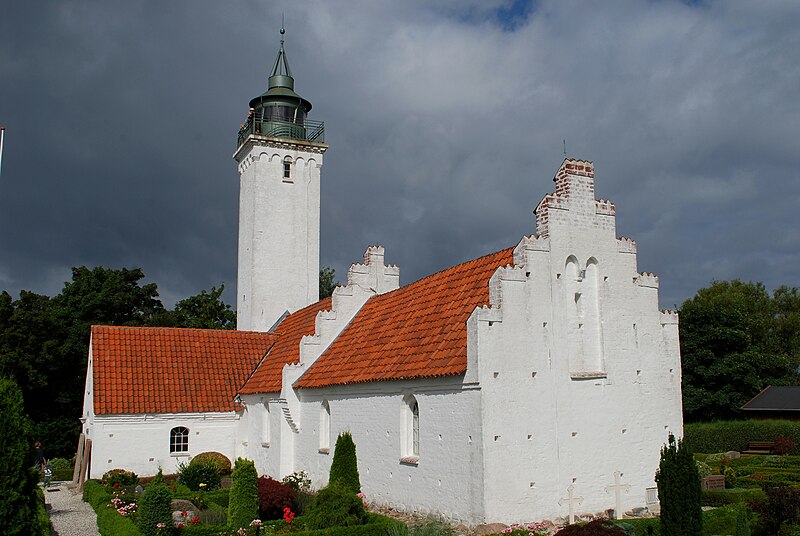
(18, 500)
(335, 506)
(679, 491)
(344, 468)
(243, 505)
(154, 508)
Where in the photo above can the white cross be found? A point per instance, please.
(618, 488)
(571, 499)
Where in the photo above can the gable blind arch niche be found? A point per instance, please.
(179, 440)
(325, 427)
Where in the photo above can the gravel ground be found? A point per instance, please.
(69, 514)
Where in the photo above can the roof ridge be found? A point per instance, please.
(174, 328)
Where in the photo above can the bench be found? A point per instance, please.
(759, 447)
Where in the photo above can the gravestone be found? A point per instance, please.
(712, 482)
(571, 500)
(617, 488)
(733, 455)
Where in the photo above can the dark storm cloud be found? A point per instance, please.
(445, 126)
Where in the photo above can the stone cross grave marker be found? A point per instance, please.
(617, 488)
(571, 500)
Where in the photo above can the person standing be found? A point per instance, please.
(37, 448)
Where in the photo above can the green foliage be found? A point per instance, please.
(645, 526)
(18, 499)
(679, 491)
(243, 505)
(43, 525)
(335, 506)
(781, 507)
(205, 310)
(722, 436)
(703, 469)
(736, 340)
(44, 341)
(58, 464)
(217, 459)
(344, 467)
(154, 508)
(202, 472)
(326, 282)
(109, 522)
(219, 496)
(119, 478)
(730, 496)
(376, 526)
(742, 522)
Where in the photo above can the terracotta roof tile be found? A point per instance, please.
(171, 370)
(267, 378)
(416, 331)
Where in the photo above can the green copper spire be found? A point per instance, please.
(279, 112)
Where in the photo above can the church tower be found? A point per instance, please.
(279, 157)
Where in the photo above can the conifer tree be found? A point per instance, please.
(18, 499)
(243, 504)
(679, 491)
(344, 468)
(155, 508)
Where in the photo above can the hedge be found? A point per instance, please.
(109, 522)
(377, 525)
(722, 436)
(45, 527)
(732, 496)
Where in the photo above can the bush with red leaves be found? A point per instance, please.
(273, 497)
(598, 527)
(784, 445)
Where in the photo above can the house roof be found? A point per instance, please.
(267, 377)
(171, 370)
(775, 399)
(416, 331)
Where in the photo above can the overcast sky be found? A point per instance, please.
(445, 122)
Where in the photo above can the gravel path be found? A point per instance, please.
(69, 514)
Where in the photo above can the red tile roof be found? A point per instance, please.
(417, 331)
(171, 370)
(268, 377)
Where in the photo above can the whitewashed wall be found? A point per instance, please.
(278, 265)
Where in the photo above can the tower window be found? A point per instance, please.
(287, 168)
(179, 439)
(325, 427)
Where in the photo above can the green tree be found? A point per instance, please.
(243, 504)
(344, 467)
(326, 282)
(679, 491)
(205, 310)
(727, 349)
(18, 499)
(155, 508)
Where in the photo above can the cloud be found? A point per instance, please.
(445, 124)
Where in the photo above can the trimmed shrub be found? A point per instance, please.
(219, 496)
(154, 508)
(243, 505)
(44, 526)
(217, 459)
(117, 478)
(742, 522)
(377, 525)
(679, 491)
(109, 522)
(202, 472)
(18, 500)
(731, 496)
(598, 527)
(344, 467)
(722, 436)
(273, 497)
(59, 464)
(645, 526)
(781, 506)
(335, 506)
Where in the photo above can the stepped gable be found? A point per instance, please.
(268, 376)
(171, 370)
(417, 331)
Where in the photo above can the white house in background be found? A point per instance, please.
(532, 382)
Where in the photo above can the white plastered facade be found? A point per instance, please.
(573, 375)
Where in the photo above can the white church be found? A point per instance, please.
(531, 383)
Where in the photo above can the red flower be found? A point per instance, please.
(196, 520)
(116, 484)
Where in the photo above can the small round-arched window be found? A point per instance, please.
(179, 439)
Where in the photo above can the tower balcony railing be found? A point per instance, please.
(306, 130)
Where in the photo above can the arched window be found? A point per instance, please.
(325, 426)
(265, 425)
(410, 430)
(287, 168)
(179, 440)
